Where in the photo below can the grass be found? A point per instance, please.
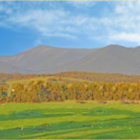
(70, 120)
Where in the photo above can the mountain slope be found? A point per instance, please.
(46, 59)
(111, 59)
(41, 58)
(8, 68)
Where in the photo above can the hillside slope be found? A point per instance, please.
(46, 59)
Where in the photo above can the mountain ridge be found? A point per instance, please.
(48, 59)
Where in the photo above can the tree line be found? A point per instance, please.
(89, 76)
(47, 91)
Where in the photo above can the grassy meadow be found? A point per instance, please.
(69, 120)
(73, 105)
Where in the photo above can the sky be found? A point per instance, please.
(68, 24)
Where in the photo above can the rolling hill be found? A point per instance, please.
(46, 59)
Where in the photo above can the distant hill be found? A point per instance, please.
(46, 59)
(8, 68)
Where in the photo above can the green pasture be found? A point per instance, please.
(70, 121)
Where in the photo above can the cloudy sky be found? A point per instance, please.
(70, 24)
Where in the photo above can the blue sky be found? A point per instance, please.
(71, 24)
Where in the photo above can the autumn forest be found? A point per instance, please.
(79, 86)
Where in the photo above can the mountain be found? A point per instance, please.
(42, 58)
(111, 59)
(46, 59)
(8, 68)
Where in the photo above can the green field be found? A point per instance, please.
(70, 121)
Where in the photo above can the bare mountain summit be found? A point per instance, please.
(46, 59)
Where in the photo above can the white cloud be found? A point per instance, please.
(129, 37)
(47, 22)
(52, 22)
(43, 17)
(121, 24)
